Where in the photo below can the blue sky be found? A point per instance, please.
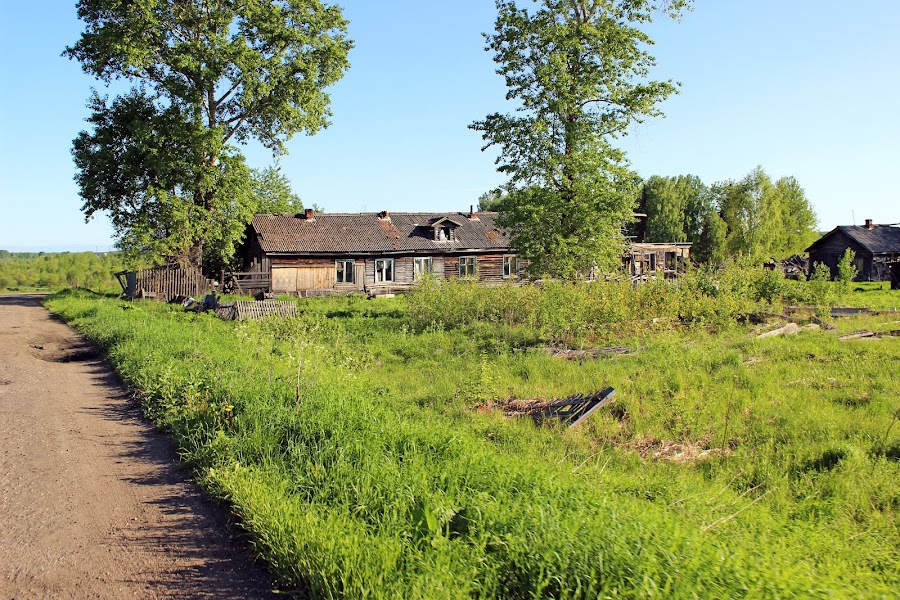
(804, 88)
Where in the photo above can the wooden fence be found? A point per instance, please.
(242, 309)
(164, 283)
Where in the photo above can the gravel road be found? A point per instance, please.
(93, 503)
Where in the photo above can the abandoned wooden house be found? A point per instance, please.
(310, 254)
(657, 259)
(876, 248)
(316, 254)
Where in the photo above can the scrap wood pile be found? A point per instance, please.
(579, 354)
(571, 411)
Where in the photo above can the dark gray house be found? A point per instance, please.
(877, 247)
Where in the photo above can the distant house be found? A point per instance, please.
(310, 254)
(876, 248)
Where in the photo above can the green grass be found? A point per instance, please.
(348, 443)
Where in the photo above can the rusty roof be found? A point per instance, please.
(348, 233)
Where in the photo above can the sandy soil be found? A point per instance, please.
(93, 503)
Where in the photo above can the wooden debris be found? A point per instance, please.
(571, 411)
(865, 333)
(580, 354)
(679, 452)
(789, 329)
(244, 309)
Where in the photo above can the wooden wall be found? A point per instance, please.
(310, 276)
(830, 250)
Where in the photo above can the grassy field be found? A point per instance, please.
(357, 445)
(42, 272)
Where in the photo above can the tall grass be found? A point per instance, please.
(348, 443)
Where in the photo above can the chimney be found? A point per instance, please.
(309, 214)
(869, 225)
(384, 215)
(472, 214)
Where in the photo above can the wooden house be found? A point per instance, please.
(657, 259)
(309, 254)
(876, 248)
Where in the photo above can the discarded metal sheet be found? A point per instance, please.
(571, 411)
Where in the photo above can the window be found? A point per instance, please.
(510, 266)
(384, 270)
(421, 267)
(650, 258)
(344, 271)
(671, 262)
(444, 233)
(468, 266)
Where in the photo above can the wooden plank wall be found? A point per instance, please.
(318, 275)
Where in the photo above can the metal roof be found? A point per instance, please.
(346, 233)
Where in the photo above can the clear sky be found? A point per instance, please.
(808, 88)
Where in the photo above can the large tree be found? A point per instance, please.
(208, 74)
(273, 191)
(764, 218)
(578, 71)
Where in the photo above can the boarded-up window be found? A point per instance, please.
(284, 279)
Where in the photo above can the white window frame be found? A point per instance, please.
(510, 266)
(469, 261)
(349, 267)
(420, 273)
(382, 272)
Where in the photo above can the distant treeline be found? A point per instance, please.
(754, 217)
(30, 270)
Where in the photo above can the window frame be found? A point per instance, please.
(352, 270)
(474, 267)
(427, 260)
(511, 260)
(392, 270)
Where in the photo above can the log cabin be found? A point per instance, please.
(318, 254)
(877, 247)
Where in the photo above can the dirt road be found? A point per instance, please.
(92, 502)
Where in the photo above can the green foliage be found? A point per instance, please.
(579, 73)
(29, 270)
(273, 192)
(710, 244)
(765, 219)
(847, 270)
(374, 477)
(490, 201)
(820, 284)
(683, 209)
(158, 159)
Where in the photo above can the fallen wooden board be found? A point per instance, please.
(577, 354)
(865, 333)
